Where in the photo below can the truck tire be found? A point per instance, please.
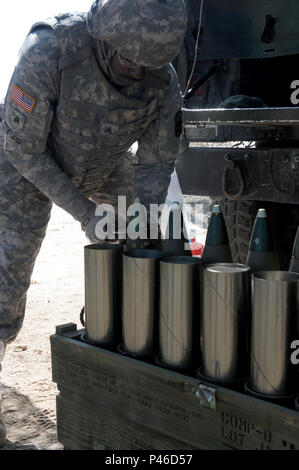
(239, 219)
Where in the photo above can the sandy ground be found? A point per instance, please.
(56, 296)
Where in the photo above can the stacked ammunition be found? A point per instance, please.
(228, 323)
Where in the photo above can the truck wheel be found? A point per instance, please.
(239, 219)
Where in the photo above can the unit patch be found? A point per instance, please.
(22, 99)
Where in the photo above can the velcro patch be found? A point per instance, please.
(22, 99)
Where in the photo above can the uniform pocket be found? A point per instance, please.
(8, 174)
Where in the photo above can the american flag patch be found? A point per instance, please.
(22, 99)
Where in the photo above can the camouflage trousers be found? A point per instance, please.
(24, 216)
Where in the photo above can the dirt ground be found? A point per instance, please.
(56, 296)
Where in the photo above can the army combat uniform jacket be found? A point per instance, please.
(66, 135)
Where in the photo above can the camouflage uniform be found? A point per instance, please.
(67, 130)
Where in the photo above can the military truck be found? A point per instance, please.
(252, 154)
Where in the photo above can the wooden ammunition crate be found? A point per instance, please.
(110, 401)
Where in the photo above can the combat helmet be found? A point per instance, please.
(147, 32)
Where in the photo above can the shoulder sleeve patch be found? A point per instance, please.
(22, 99)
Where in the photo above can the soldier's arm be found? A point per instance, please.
(29, 107)
(158, 149)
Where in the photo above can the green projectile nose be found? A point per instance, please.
(217, 234)
(261, 239)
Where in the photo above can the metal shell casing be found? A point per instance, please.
(102, 264)
(274, 324)
(140, 301)
(224, 321)
(179, 288)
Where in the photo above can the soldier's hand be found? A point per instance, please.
(90, 228)
(103, 227)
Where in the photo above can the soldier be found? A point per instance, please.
(85, 88)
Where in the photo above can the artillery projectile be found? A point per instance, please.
(102, 266)
(224, 322)
(217, 249)
(180, 285)
(294, 263)
(262, 255)
(273, 327)
(140, 297)
(174, 242)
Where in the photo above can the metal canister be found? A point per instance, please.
(140, 301)
(179, 289)
(103, 269)
(274, 325)
(224, 321)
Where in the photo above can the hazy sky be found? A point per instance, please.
(16, 18)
